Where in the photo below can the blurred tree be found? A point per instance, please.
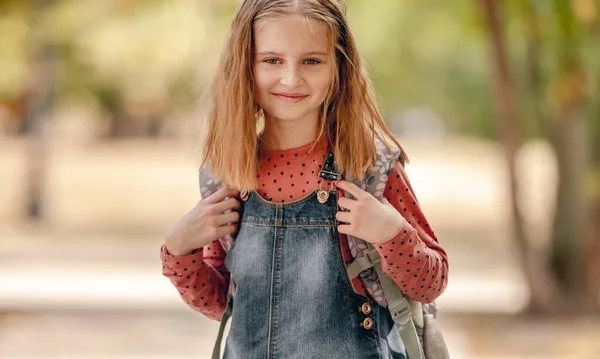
(589, 12)
(427, 54)
(41, 91)
(14, 93)
(541, 286)
(113, 54)
(564, 277)
(569, 136)
(132, 57)
(133, 61)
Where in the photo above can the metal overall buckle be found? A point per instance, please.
(327, 172)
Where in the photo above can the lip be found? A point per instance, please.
(290, 97)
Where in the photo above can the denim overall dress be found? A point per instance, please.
(292, 296)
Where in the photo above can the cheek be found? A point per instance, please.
(259, 81)
(262, 79)
(322, 84)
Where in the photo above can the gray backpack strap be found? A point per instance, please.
(216, 354)
(367, 263)
(401, 308)
(398, 305)
(208, 186)
(374, 182)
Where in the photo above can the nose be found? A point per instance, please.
(291, 77)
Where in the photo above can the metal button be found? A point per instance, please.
(367, 323)
(322, 196)
(366, 308)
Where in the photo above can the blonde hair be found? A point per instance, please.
(350, 118)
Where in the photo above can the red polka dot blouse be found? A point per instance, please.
(413, 258)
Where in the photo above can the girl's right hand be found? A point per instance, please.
(206, 222)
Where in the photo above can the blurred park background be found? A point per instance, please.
(496, 102)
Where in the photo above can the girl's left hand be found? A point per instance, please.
(368, 219)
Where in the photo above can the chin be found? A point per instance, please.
(288, 115)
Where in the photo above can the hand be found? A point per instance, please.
(206, 222)
(367, 218)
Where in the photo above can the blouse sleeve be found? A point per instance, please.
(413, 258)
(200, 278)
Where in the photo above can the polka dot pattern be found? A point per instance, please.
(413, 258)
(290, 175)
(423, 273)
(201, 278)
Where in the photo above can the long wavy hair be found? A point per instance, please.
(349, 119)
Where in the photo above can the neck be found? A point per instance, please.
(283, 135)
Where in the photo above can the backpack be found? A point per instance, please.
(415, 321)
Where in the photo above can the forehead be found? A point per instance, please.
(291, 35)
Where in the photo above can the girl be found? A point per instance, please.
(291, 89)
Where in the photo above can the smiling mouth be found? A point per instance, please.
(290, 97)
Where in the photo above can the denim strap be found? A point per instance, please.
(328, 170)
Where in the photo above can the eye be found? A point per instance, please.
(312, 62)
(272, 61)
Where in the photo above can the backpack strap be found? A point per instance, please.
(367, 262)
(400, 311)
(208, 186)
(216, 354)
(374, 182)
(398, 305)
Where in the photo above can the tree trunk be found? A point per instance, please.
(591, 278)
(533, 65)
(41, 89)
(570, 242)
(592, 273)
(592, 270)
(544, 295)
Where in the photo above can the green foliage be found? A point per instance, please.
(426, 53)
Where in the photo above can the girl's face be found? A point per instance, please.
(293, 69)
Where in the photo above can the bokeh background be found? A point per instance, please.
(495, 101)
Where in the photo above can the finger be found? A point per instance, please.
(351, 188)
(347, 203)
(221, 194)
(345, 229)
(232, 217)
(227, 229)
(226, 205)
(344, 217)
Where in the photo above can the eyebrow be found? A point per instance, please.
(311, 53)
